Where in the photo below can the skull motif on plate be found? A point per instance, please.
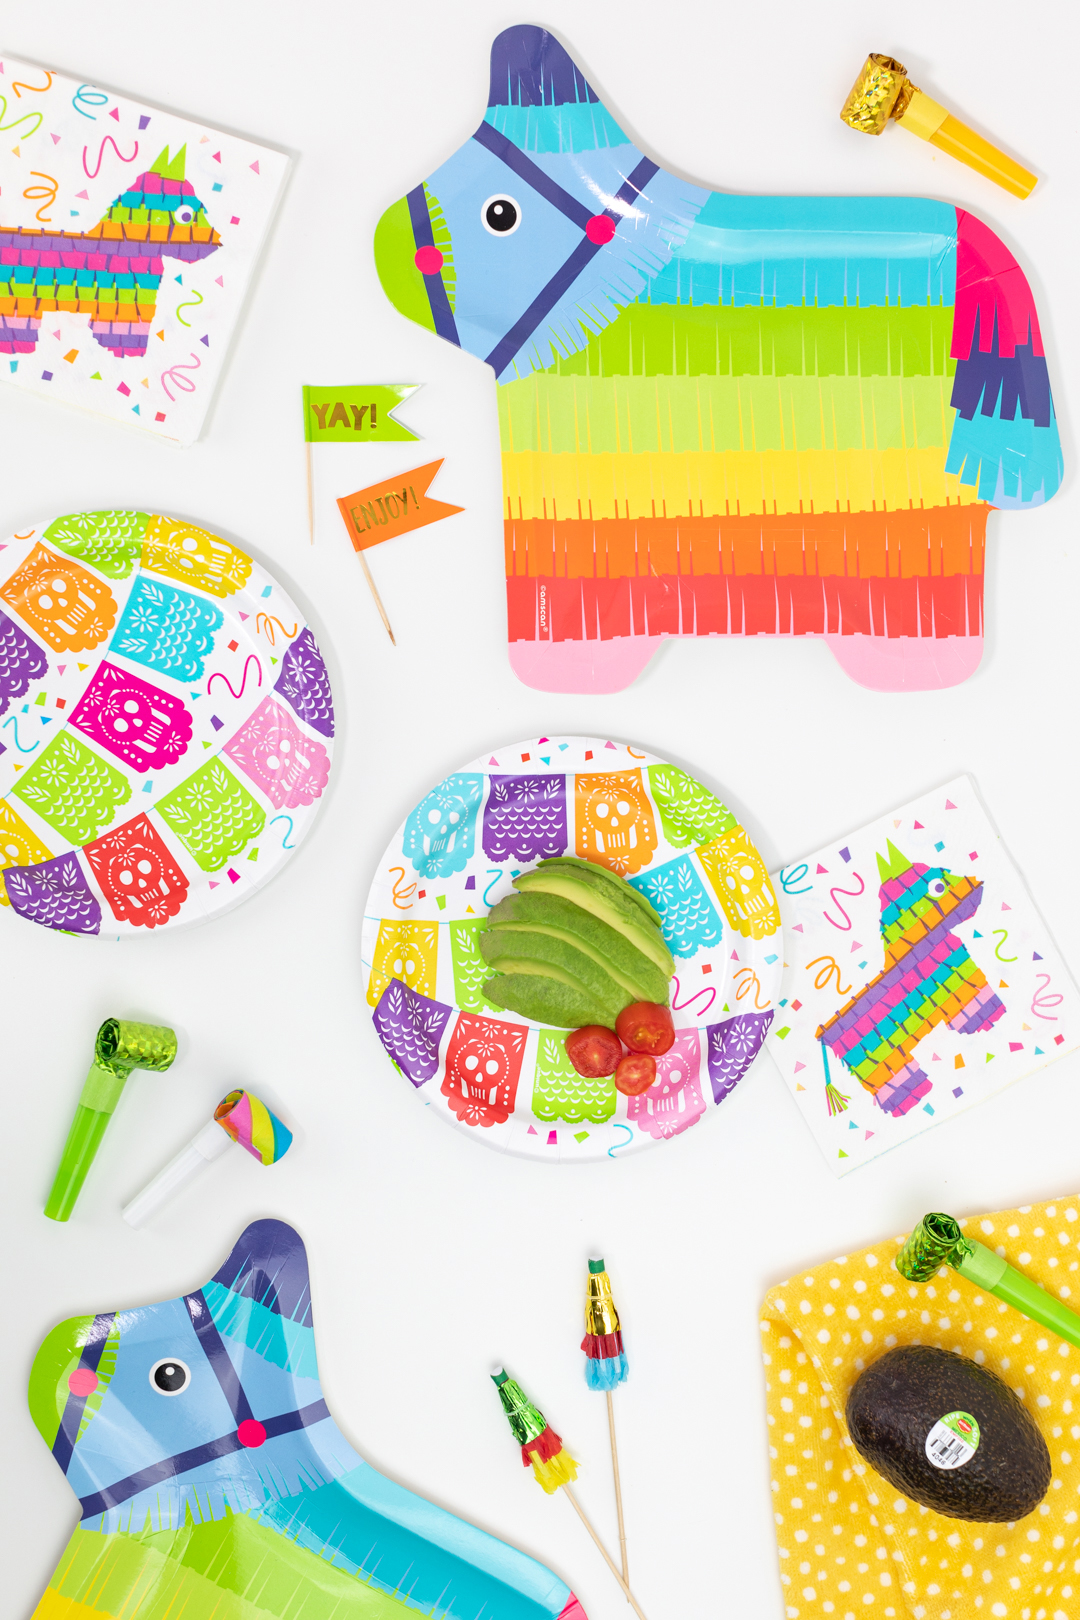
(673, 1102)
(138, 723)
(137, 875)
(440, 833)
(194, 557)
(614, 821)
(67, 607)
(483, 1066)
(406, 950)
(291, 769)
(741, 884)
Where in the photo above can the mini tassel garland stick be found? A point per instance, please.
(552, 1464)
(605, 1367)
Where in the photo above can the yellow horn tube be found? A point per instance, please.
(883, 91)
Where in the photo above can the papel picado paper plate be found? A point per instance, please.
(504, 1079)
(166, 724)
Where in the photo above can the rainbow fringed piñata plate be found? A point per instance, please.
(166, 724)
(500, 1077)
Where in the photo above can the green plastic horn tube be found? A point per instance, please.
(120, 1047)
(938, 1241)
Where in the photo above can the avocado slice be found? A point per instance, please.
(543, 999)
(549, 914)
(604, 901)
(620, 883)
(524, 952)
(894, 1415)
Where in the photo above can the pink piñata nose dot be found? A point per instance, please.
(428, 260)
(600, 229)
(83, 1381)
(251, 1433)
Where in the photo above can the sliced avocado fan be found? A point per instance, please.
(623, 885)
(603, 900)
(522, 951)
(549, 914)
(544, 1000)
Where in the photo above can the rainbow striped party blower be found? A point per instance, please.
(542, 1450)
(605, 1367)
(241, 1118)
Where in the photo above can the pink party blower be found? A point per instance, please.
(240, 1117)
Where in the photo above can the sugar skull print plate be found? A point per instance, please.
(166, 724)
(505, 1079)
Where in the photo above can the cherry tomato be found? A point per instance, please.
(593, 1050)
(645, 1026)
(635, 1074)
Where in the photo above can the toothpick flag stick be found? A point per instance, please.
(375, 594)
(310, 496)
(605, 1367)
(543, 1451)
(396, 506)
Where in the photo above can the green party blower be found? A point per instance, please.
(938, 1240)
(119, 1048)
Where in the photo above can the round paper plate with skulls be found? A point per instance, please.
(166, 724)
(505, 1079)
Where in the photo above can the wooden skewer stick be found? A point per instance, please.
(580, 1511)
(310, 497)
(618, 1487)
(375, 594)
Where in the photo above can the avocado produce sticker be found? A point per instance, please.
(953, 1440)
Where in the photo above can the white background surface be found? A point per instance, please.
(431, 1256)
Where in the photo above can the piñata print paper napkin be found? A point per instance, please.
(918, 979)
(128, 237)
(850, 1545)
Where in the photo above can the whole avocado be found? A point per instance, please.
(896, 1402)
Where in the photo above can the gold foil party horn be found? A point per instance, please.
(883, 91)
(119, 1048)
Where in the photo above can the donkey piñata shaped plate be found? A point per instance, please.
(215, 1485)
(723, 415)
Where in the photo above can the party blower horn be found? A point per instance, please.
(241, 1118)
(883, 91)
(551, 1463)
(606, 1367)
(938, 1240)
(119, 1048)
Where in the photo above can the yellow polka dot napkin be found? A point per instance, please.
(850, 1545)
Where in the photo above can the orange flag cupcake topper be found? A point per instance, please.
(382, 511)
